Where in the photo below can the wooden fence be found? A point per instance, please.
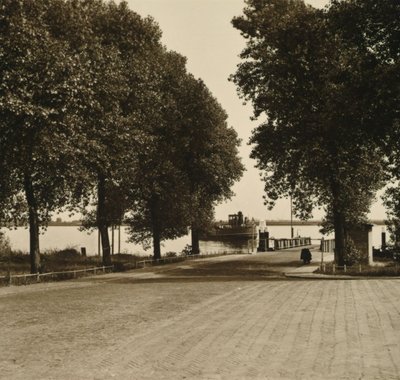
(166, 260)
(291, 243)
(25, 279)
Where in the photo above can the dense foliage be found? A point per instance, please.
(325, 83)
(94, 115)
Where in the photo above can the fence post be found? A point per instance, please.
(359, 267)
(333, 268)
(345, 268)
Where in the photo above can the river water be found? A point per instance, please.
(60, 237)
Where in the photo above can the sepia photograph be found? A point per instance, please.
(199, 189)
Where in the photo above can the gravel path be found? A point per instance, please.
(234, 317)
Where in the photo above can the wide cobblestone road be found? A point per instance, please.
(177, 324)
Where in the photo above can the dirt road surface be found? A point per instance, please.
(232, 317)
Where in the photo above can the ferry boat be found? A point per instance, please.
(236, 227)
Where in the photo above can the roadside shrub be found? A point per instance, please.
(170, 254)
(352, 254)
(69, 252)
(125, 261)
(187, 251)
(5, 248)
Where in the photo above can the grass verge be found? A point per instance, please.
(387, 269)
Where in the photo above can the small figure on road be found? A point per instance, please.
(305, 255)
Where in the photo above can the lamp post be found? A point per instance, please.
(291, 217)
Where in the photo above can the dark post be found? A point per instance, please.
(383, 239)
(119, 239)
(98, 243)
(263, 241)
(291, 217)
(112, 239)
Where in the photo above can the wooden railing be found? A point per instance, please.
(166, 260)
(25, 279)
(291, 243)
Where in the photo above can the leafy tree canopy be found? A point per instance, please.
(320, 95)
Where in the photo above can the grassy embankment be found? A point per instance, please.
(61, 260)
(381, 268)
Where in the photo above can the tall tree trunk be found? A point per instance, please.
(195, 240)
(340, 238)
(34, 251)
(102, 219)
(156, 226)
(338, 224)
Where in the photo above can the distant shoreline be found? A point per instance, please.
(77, 223)
(308, 222)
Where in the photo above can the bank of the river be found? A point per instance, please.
(64, 260)
(62, 237)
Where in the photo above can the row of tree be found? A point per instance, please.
(95, 111)
(326, 82)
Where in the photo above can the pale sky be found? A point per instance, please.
(201, 30)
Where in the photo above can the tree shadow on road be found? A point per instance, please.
(243, 270)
